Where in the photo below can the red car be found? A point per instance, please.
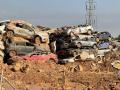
(37, 55)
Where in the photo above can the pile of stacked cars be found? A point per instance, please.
(21, 38)
(24, 39)
(25, 30)
(73, 41)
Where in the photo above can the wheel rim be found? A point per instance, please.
(94, 46)
(9, 34)
(78, 45)
(37, 40)
(89, 32)
(12, 53)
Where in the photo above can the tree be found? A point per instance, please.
(118, 38)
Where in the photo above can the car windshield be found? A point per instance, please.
(33, 27)
(35, 53)
(88, 39)
(3, 23)
(91, 39)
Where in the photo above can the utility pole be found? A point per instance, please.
(90, 12)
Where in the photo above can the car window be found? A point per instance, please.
(24, 26)
(84, 39)
(20, 25)
(3, 23)
(27, 27)
(92, 39)
(20, 43)
(34, 54)
(29, 44)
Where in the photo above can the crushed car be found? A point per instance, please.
(26, 30)
(105, 45)
(78, 55)
(85, 42)
(42, 56)
(21, 48)
(101, 36)
(86, 29)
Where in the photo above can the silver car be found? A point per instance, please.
(21, 48)
(85, 42)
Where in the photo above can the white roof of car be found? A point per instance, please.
(4, 21)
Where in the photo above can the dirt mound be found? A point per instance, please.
(81, 75)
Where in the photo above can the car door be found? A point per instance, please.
(84, 42)
(91, 41)
(29, 47)
(20, 48)
(28, 30)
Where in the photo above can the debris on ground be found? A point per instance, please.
(116, 64)
(66, 58)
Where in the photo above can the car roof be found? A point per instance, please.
(20, 21)
(104, 32)
(4, 21)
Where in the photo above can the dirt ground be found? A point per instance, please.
(81, 75)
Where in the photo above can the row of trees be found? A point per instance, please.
(118, 38)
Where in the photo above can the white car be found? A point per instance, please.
(85, 42)
(86, 29)
(3, 25)
(27, 31)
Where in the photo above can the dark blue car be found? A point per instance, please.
(103, 36)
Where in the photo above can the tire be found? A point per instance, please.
(89, 32)
(9, 34)
(95, 46)
(8, 41)
(37, 40)
(79, 45)
(12, 53)
(51, 60)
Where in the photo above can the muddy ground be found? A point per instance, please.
(81, 75)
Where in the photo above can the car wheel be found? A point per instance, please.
(95, 46)
(12, 53)
(51, 60)
(79, 45)
(37, 40)
(8, 41)
(89, 32)
(9, 34)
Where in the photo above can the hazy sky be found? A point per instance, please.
(57, 13)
